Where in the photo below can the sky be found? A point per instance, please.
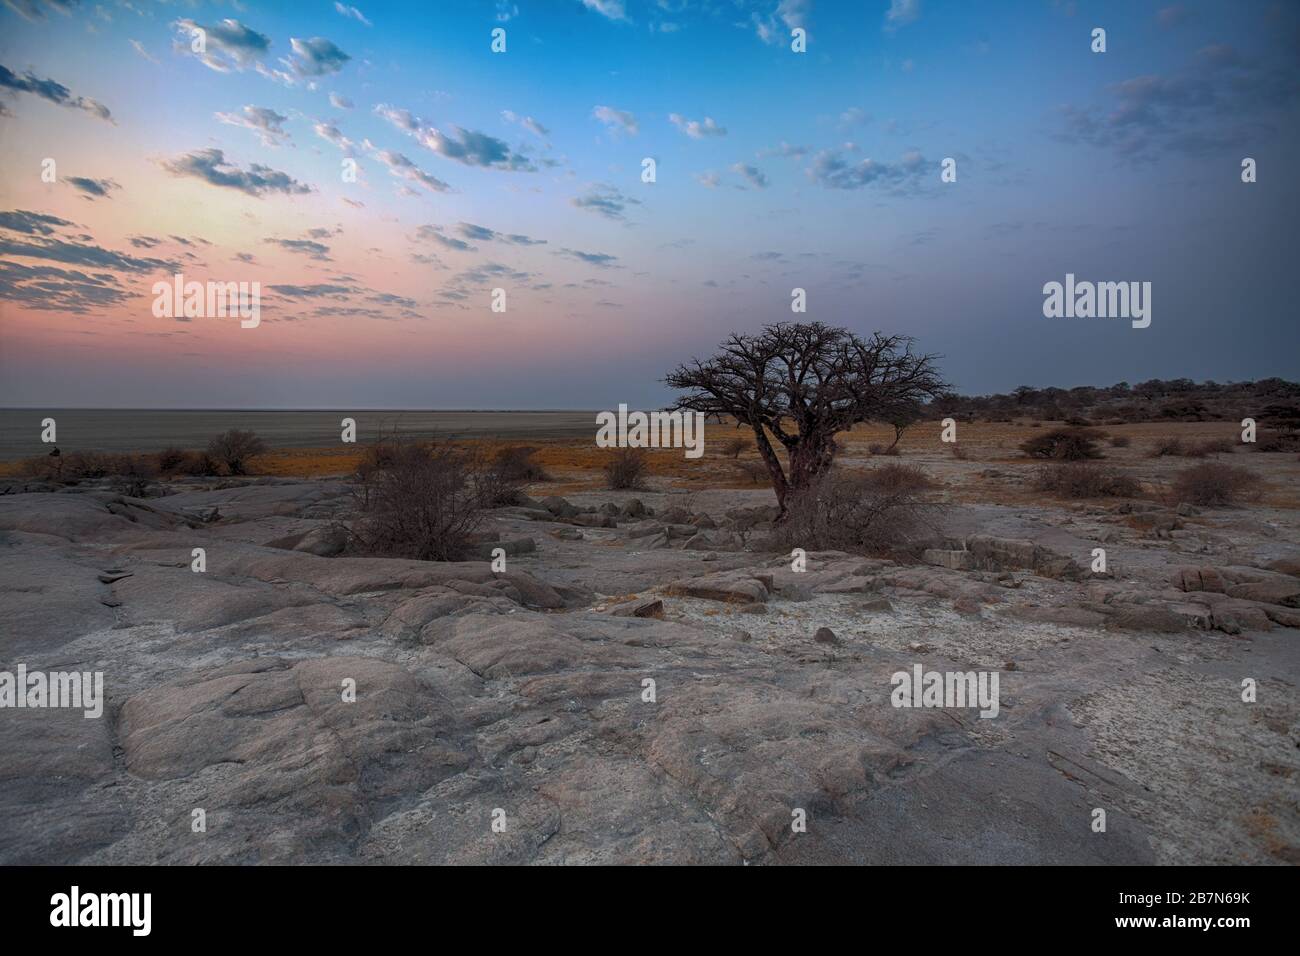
(523, 170)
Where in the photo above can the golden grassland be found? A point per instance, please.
(575, 465)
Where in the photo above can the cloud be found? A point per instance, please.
(506, 10)
(475, 149)
(80, 254)
(31, 223)
(435, 234)
(605, 200)
(483, 234)
(854, 116)
(92, 188)
(617, 120)
(790, 13)
(785, 149)
(352, 13)
(52, 91)
(756, 177)
(709, 180)
(834, 170)
(612, 9)
(139, 48)
(304, 247)
(267, 123)
(210, 165)
(34, 10)
(466, 146)
(340, 102)
(527, 122)
(330, 132)
(399, 165)
(59, 290)
(312, 291)
(599, 259)
(697, 129)
(1220, 99)
(316, 57)
(901, 13)
(228, 45)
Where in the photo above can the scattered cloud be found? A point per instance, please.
(605, 200)
(210, 166)
(304, 247)
(901, 13)
(617, 120)
(52, 91)
(352, 13)
(399, 165)
(599, 259)
(267, 123)
(226, 46)
(788, 14)
(91, 188)
(139, 48)
(466, 146)
(755, 176)
(340, 102)
(483, 234)
(612, 9)
(527, 122)
(697, 129)
(316, 57)
(835, 169)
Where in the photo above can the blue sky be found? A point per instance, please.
(817, 170)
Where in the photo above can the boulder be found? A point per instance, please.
(1281, 590)
(732, 587)
(1198, 579)
(825, 635)
(953, 560)
(558, 506)
(640, 608)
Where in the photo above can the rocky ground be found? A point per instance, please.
(525, 691)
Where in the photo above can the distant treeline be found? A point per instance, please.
(1269, 400)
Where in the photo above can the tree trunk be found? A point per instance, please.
(809, 459)
(779, 483)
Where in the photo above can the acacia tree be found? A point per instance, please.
(802, 383)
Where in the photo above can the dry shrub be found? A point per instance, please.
(135, 470)
(1279, 441)
(516, 464)
(422, 500)
(171, 460)
(1120, 441)
(958, 452)
(878, 511)
(755, 471)
(876, 448)
(1075, 479)
(626, 468)
(1175, 447)
(234, 448)
(1214, 483)
(1216, 446)
(1064, 444)
(732, 447)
